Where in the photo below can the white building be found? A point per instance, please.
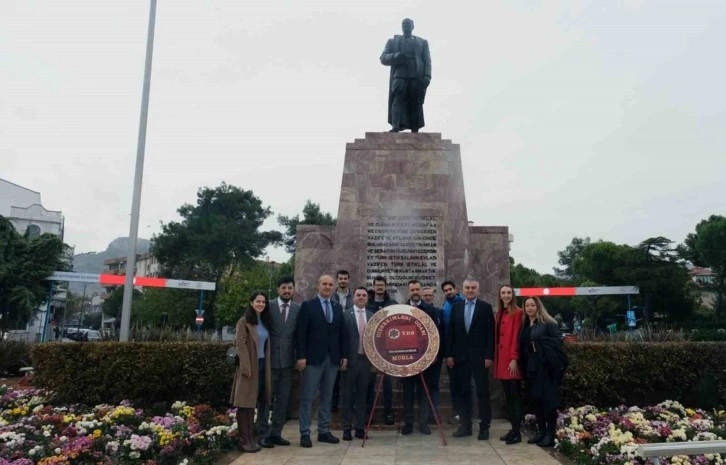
(23, 208)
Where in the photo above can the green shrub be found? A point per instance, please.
(610, 374)
(14, 355)
(146, 372)
(601, 374)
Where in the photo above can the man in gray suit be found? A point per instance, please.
(354, 380)
(282, 351)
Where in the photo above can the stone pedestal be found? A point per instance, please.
(402, 215)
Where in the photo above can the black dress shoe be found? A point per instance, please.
(483, 434)
(361, 434)
(536, 438)
(305, 441)
(514, 438)
(388, 419)
(407, 429)
(328, 437)
(279, 441)
(547, 441)
(506, 436)
(266, 443)
(347, 436)
(424, 429)
(462, 431)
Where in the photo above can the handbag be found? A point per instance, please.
(232, 357)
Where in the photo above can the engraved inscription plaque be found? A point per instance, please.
(403, 248)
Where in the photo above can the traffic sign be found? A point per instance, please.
(199, 320)
(199, 311)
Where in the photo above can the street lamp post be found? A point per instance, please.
(136, 201)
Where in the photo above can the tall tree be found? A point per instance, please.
(568, 257)
(175, 307)
(311, 215)
(218, 233)
(521, 276)
(707, 247)
(237, 288)
(651, 266)
(112, 306)
(25, 263)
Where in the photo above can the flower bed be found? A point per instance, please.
(593, 437)
(32, 431)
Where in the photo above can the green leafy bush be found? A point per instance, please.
(610, 374)
(14, 355)
(601, 374)
(146, 372)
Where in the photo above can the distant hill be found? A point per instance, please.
(92, 262)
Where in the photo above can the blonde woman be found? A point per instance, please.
(544, 364)
(508, 323)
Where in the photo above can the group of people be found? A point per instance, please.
(323, 339)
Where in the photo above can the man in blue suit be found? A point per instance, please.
(322, 348)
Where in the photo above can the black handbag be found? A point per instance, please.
(232, 357)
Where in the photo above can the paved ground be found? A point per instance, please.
(389, 447)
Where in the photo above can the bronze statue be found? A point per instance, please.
(410, 62)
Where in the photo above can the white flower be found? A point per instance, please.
(134, 455)
(57, 451)
(112, 446)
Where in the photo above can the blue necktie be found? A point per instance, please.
(327, 311)
(468, 315)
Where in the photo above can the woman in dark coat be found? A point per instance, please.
(544, 363)
(253, 378)
(506, 358)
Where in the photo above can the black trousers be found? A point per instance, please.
(464, 372)
(413, 390)
(513, 395)
(546, 417)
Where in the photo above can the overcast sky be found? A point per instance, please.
(604, 119)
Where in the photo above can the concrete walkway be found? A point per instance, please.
(389, 447)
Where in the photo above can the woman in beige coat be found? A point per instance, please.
(253, 378)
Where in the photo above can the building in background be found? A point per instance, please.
(704, 279)
(23, 208)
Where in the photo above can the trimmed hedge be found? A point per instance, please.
(601, 374)
(607, 374)
(144, 372)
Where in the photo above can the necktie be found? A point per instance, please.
(468, 315)
(284, 312)
(361, 329)
(327, 311)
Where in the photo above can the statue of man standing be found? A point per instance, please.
(410, 62)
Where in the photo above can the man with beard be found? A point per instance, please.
(282, 338)
(412, 387)
(377, 300)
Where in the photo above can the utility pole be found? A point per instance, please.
(136, 201)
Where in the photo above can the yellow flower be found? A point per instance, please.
(96, 433)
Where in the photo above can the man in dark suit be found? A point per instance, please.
(354, 380)
(344, 297)
(412, 387)
(282, 351)
(470, 352)
(322, 348)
